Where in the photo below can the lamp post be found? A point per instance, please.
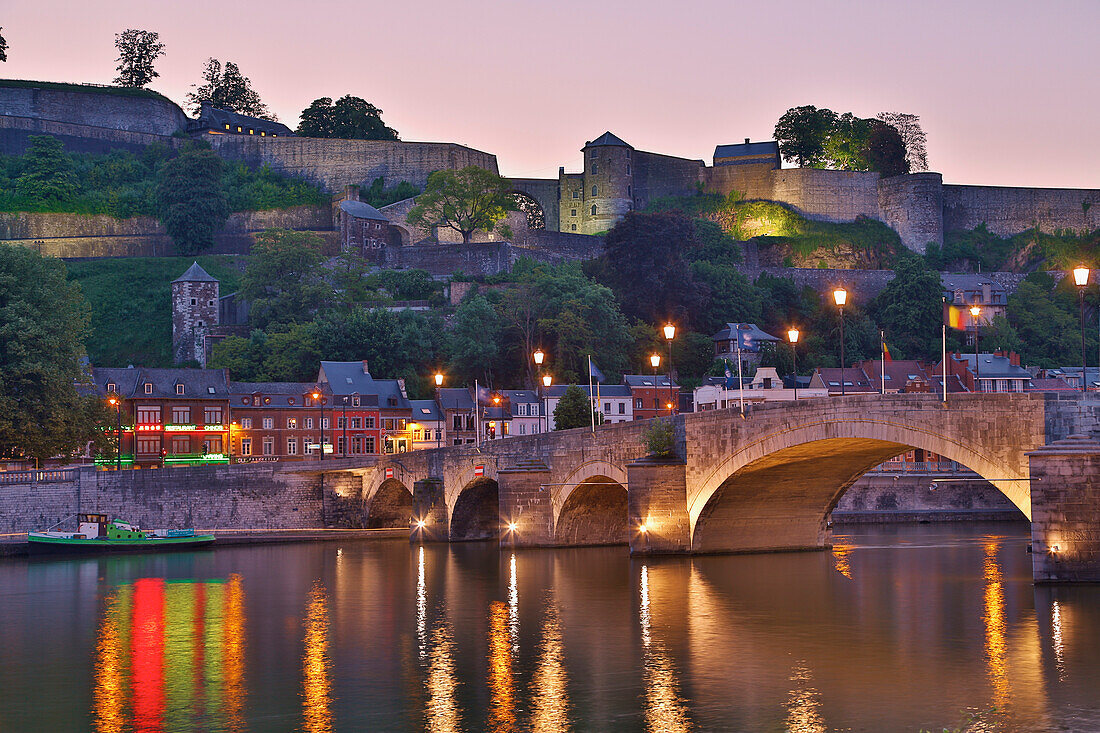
(1081, 279)
(670, 333)
(439, 428)
(321, 404)
(116, 403)
(547, 380)
(975, 311)
(840, 296)
(655, 361)
(792, 337)
(344, 451)
(538, 358)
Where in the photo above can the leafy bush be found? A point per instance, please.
(659, 440)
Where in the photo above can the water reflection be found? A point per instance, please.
(421, 607)
(1056, 639)
(665, 710)
(995, 625)
(316, 687)
(502, 701)
(842, 560)
(804, 703)
(169, 657)
(551, 698)
(442, 706)
(513, 603)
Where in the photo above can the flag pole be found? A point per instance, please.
(591, 394)
(943, 355)
(477, 414)
(882, 359)
(740, 380)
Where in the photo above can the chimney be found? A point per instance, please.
(746, 141)
(1013, 358)
(365, 370)
(351, 192)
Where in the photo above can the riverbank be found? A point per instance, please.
(15, 545)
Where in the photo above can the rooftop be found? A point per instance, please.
(195, 274)
(362, 210)
(607, 140)
(769, 148)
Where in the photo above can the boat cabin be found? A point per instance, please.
(92, 525)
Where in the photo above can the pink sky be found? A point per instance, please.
(1007, 90)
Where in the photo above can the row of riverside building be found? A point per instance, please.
(186, 416)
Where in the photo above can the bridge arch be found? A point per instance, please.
(777, 489)
(476, 511)
(390, 507)
(595, 513)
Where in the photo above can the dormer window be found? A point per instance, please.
(209, 390)
(239, 129)
(148, 388)
(355, 402)
(227, 125)
(179, 389)
(392, 402)
(111, 387)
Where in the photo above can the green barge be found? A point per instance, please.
(99, 533)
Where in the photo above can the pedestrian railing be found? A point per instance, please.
(919, 467)
(53, 475)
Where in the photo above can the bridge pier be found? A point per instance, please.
(1065, 511)
(430, 522)
(657, 501)
(525, 502)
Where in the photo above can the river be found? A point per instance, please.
(895, 629)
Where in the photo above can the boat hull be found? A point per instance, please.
(64, 546)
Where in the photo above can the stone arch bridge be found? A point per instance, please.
(763, 482)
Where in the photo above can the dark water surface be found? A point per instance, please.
(896, 629)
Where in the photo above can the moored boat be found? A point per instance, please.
(100, 533)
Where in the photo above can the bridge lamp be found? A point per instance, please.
(975, 311)
(670, 333)
(438, 379)
(1081, 279)
(547, 380)
(420, 524)
(840, 297)
(642, 528)
(512, 526)
(792, 337)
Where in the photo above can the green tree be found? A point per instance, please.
(350, 118)
(137, 52)
(227, 89)
(47, 171)
(1047, 329)
(349, 279)
(3, 48)
(284, 283)
(467, 200)
(43, 325)
(846, 147)
(886, 151)
(191, 200)
(910, 309)
(243, 357)
(574, 410)
(377, 195)
(474, 340)
(912, 135)
(646, 265)
(802, 133)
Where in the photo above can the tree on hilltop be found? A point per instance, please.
(847, 142)
(912, 135)
(886, 150)
(137, 51)
(227, 89)
(3, 48)
(191, 199)
(48, 173)
(350, 118)
(802, 133)
(467, 200)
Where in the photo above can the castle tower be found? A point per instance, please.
(194, 313)
(595, 200)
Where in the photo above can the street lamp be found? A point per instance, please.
(547, 380)
(975, 311)
(439, 426)
(438, 380)
(538, 356)
(1081, 279)
(655, 360)
(670, 333)
(116, 403)
(320, 403)
(792, 337)
(840, 296)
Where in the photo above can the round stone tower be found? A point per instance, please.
(608, 182)
(194, 313)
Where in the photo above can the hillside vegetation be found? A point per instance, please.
(1030, 251)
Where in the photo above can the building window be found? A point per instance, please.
(148, 388)
(309, 423)
(269, 446)
(292, 446)
(457, 422)
(521, 410)
(628, 169)
(200, 324)
(307, 445)
(593, 209)
(357, 423)
(246, 446)
(148, 446)
(250, 132)
(324, 423)
(111, 387)
(292, 423)
(622, 408)
(148, 415)
(357, 444)
(628, 193)
(269, 423)
(181, 446)
(572, 212)
(212, 416)
(637, 404)
(595, 168)
(368, 423)
(340, 445)
(576, 194)
(181, 415)
(368, 444)
(212, 445)
(355, 402)
(210, 303)
(194, 301)
(239, 129)
(595, 190)
(227, 125)
(246, 422)
(387, 423)
(340, 422)
(573, 228)
(607, 407)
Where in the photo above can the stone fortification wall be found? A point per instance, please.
(15, 135)
(658, 175)
(824, 195)
(545, 191)
(79, 235)
(491, 258)
(232, 497)
(1007, 211)
(336, 163)
(913, 206)
(94, 108)
(884, 497)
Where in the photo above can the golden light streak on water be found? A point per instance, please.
(442, 707)
(513, 604)
(995, 626)
(421, 608)
(804, 703)
(316, 687)
(234, 647)
(502, 700)
(665, 710)
(1059, 649)
(841, 560)
(550, 711)
(109, 696)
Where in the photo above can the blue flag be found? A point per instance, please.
(595, 373)
(730, 380)
(745, 338)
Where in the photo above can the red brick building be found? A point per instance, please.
(652, 395)
(380, 420)
(278, 421)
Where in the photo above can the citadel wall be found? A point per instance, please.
(94, 108)
(913, 206)
(1007, 210)
(15, 135)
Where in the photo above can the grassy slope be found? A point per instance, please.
(130, 299)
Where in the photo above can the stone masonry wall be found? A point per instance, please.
(1007, 211)
(15, 135)
(237, 497)
(913, 206)
(94, 108)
